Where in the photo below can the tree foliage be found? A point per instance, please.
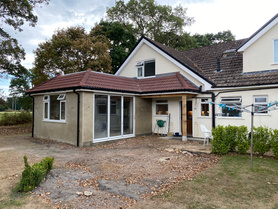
(162, 23)
(15, 14)
(210, 38)
(149, 18)
(19, 84)
(71, 50)
(121, 40)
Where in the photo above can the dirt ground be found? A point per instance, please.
(116, 174)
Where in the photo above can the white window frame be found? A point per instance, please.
(46, 99)
(142, 66)
(161, 103)
(204, 102)
(231, 100)
(62, 99)
(261, 103)
(275, 51)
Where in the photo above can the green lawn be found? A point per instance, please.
(230, 184)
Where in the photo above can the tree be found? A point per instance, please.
(19, 85)
(71, 50)
(3, 105)
(149, 18)
(210, 38)
(121, 41)
(15, 14)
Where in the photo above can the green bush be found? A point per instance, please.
(219, 143)
(274, 142)
(32, 176)
(230, 135)
(15, 118)
(261, 140)
(243, 141)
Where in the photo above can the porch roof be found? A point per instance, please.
(100, 81)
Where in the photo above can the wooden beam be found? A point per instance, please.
(184, 118)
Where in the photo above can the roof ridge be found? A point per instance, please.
(181, 80)
(85, 77)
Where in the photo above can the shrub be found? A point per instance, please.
(261, 140)
(219, 144)
(32, 176)
(243, 141)
(16, 118)
(274, 142)
(230, 135)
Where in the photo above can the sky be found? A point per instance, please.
(242, 17)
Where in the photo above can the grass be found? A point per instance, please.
(230, 184)
(13, 200)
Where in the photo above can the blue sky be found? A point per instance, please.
(242, 17)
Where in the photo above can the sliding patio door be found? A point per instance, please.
(113, 117)
(128, 115)
(101, 116)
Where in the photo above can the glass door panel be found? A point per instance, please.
(128, 115)
(115, 116)
(100, 124)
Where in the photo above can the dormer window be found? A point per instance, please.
(145, 69)
(275, 51)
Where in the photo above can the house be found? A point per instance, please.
(156, 82)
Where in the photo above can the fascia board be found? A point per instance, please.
(258, 35)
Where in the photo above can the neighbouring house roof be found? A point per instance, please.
(107, 82)
(203, 61)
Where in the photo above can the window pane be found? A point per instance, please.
(149, 68)
(54, 108)
(140, 71)
(276, 50)
(261, 108)
(128, 115)
(162, 109)
(100, 123)
(63, 110)
(230, 112)
(260, 99)
(205, 109)
(115, 116)
(45, 110)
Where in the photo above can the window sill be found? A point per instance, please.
(274, 63)
(204, 117)
(146, 77)
(55, 121)
(233, 118)
(258, 114)
(160, 115)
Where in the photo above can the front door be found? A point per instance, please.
(189, 117)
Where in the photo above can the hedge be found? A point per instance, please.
(237, 138)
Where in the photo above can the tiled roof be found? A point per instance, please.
(203, 62)
(101, 81)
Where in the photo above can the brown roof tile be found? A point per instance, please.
(102, 81)
(203, 62)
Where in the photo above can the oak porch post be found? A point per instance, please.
(184, 119)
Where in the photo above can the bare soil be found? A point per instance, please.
(118, 174)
